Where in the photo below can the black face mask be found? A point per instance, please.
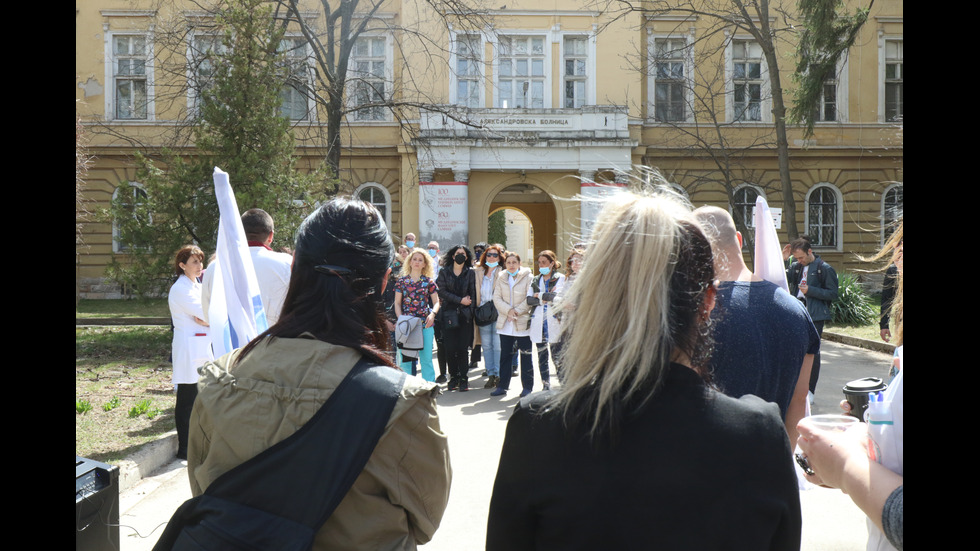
(478, 253)
(460, 258)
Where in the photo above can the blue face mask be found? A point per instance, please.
(492, 264)
(410, 244)
(544, 271)
(514, 273)
(433, 252)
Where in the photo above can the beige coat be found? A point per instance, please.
(480, 271)
(397, 501)
(505, 298)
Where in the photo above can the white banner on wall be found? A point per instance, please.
(593, 195)
(443, 215)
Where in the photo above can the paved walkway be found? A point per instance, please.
(475, 423)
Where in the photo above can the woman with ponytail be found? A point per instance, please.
(332, 317)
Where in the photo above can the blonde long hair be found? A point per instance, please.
(890, 251)
(428, 270)
(639, 300)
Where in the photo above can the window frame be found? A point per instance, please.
(546, 79)
(194, 87)
(838, 210)
(306, 62)
(478, 80)
(839, 81)
(747, 207)
(111, 76)
(884, 81)
(886, 218)
(118, 246)
(354, 114)
(587, 79)
(375, 186)
(686, 81)
(765, 95)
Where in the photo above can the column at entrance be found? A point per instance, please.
(443, 209)
(593, 196)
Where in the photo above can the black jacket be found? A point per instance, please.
(692, 469)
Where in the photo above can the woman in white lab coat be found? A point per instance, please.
(191, 344)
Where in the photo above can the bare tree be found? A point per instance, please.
(82, 162)
(336, 30)
(768, 23)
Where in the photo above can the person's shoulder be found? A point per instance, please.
(536, 409)
(265, 258)
(749, 414)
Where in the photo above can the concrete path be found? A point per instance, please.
(475, 423)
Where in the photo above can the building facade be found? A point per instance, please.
(538, 110)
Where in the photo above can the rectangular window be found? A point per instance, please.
(368, 70)
(299, 78)
(670, 79)
(747, 80)
(576, 57)
(827, 105)
(130, 58)
(205, 53)
(468, 64)
(521, 72)
(894, 75)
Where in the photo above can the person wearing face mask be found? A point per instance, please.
(410, 240)
(510, 297)
(486, 273)
(545, 329)
(457, 289)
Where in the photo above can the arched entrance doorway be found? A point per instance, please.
(527, 201)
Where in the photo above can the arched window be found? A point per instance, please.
(743, 204)
(134, 196)
(892, 207)
(378, 196)
(823, 216)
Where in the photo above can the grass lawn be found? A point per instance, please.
(156, 307)
(126, 366)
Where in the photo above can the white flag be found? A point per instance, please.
(768, 254)
(235, 312)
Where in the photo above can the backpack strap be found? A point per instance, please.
(281, 497)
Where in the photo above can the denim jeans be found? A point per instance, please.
(490, 342)
(527, 361)
(425, 356)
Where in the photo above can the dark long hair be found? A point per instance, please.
(335, 290)
(448, 260)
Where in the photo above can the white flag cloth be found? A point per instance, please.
(768, 254)
(235, 312)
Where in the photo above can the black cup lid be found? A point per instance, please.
(867, 384)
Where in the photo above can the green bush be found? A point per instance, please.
(83, 406)
(853, 305)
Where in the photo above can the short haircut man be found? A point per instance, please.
(272, 269)
(258, 225)
(764, 339)
(814, 282)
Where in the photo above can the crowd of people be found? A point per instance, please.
(437, 299)
(671, 426)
